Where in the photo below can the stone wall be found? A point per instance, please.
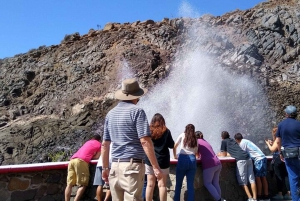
(49, 185)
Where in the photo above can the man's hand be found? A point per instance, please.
(105, 174)
(158, 173)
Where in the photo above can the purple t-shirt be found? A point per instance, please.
(208, 157)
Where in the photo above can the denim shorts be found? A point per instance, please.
(98, 181)
(260, 168)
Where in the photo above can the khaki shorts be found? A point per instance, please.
(126, 181)
(149, 170)
(78, 172)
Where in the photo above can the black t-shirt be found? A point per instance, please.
(233, 148)
(161, 148)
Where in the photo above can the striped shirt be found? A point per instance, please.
(124, 125)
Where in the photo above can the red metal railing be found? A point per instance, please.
(37, 167)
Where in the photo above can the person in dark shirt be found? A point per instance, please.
(229, 147)
(162, 141)
(288, 136)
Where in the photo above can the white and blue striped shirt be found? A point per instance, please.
(124, 125)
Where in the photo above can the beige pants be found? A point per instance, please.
(126, 181)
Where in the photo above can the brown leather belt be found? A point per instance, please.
(134, 160)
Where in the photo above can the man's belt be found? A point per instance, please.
(134, 160)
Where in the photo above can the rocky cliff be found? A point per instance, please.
(54, 98)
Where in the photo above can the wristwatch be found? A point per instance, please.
(105, 168)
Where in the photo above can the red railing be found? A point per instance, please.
(37, 167)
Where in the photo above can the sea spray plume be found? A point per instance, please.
(187, 10)
(207, 94)
(125, 71)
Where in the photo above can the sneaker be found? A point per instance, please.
(106, 186)
(287, 197)
(250, 199)
(265, 198)
(222, 199)
(277, 197)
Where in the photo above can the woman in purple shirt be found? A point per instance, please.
(211, 166)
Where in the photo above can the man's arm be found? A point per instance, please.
(149, 150)
(223, 149)
(105, 160)
(223, 153)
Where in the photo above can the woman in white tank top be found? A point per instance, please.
(187, 163)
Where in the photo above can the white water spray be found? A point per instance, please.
(208, 96)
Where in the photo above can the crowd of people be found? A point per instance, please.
(131, 149)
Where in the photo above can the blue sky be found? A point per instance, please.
(28, 24)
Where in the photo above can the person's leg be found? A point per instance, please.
(265, 186)
(292, 166)
(151, 181)
(259, 187)
(107, 195)
(117, 193)
(208, 176)
(68, 191)
(79, 193)
(258, 169)
(98, 181)
(246, 189)
(216, 180)
(285, 181)
(251, 178)
(98, 193)
(242, 175)
(190, 177)
(162, 186)
(180, 173)
(83, 175)
(132, 180)
(71, 180)
(263, 178)
(144, 188)
(279, 178)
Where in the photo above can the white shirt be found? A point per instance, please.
(183, 149)
(99, 164)
(252, 149)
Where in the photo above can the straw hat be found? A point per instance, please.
(130, 90)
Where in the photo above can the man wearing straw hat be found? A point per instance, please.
(126, 125)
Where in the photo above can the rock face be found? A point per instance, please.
(54, 98)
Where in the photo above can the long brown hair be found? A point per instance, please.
(274, 131)
(157, 126)
(190, 139)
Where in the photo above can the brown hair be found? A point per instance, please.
(238, 136)
(157, 126)
(225, 135)
(199, 135)
(190, 137)
(274, 131)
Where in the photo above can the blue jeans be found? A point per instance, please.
(186, 166)
(293, 169)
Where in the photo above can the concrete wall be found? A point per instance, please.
(49, 185)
